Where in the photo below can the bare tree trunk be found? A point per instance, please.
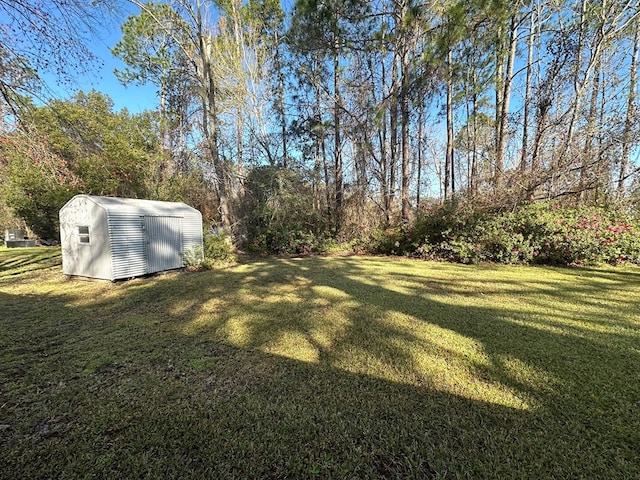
(281, 103)
(545, 95)
(384, 160)
(419, 155)
(467, 131)
(542, 111)
(393, 134)
(321, 147)
(474, 131)
(630, 115)
(471, 106)
(240, 161)
(404, 107)
(527, 92)
(604, 169)
(449, 172)
(576, 81)
(210, 119)
(339, 192)
(502, 106)
(588, 157)
(499, 92)
(317, 163)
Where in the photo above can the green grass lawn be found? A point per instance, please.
(346, 368)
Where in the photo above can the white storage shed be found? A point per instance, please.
(114, 238)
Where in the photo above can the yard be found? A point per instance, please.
(345, 368)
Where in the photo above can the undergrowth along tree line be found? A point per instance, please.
(537, 233)
(333, 123)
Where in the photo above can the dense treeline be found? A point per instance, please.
(339, 119)
(387, 103)
(82, 146)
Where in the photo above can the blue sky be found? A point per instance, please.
(133, 97)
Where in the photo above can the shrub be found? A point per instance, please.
(279, 213)
(291, 241)
(193, 258)
(218, 249)
(384, 242)
(587, 236)
(502, 239)
(457, 249)
(534, 233)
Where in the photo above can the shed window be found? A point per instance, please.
(83, 234)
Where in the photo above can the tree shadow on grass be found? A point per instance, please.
(317, 368)
(16, 261)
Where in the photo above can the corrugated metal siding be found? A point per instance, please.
(192, 230)
(164, 243)
(128, 257)
(100, 256)
(118, 243)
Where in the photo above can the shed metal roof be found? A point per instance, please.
(139, 206)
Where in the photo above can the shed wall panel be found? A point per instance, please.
(91, 259)
(118, 247)
(191, 231)
(164, 243)
(128, 258)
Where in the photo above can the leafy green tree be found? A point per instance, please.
(73, 146)
(186, 34)
(327, 31)
(153, 50)
(36, 181)
(111, 152)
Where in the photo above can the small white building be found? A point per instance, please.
(115, 238)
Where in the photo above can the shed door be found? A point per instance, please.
(164, 243)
